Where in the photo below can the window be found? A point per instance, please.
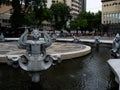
(116, 18)
(105, 18)
(113, 18)
(110, 19)
(119, 17)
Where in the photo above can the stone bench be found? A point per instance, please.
(115, 66)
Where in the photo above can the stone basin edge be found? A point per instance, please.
(63, 55)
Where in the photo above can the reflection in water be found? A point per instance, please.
(87, 73)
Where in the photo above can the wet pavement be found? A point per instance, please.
(90, 72)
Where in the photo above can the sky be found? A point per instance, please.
(93, 5)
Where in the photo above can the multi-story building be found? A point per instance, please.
(76, 6)
(5, 15)
(111, 15)
(83, 6)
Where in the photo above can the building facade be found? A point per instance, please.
(76, 6)
(111, 15)
(5, 15)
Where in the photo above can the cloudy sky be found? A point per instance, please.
(93, 5)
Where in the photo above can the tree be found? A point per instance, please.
(81, 21)
(17, 18)
(98, 19)
(61, 14)
(37, 12)
(73, 25)
(89, 20)
(33, 12)
(38, 7)
(0, 2)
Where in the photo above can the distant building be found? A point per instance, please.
(111, 15)
(83, 6)
(5, 15)
(76, 7)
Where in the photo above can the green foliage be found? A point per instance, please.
(0, 2)
(98, 18)
(73, 24)
(17, 17)
(87, 20)
(16, 5)
(33, 13)
(61, 13)
(30, 19)
(47, 14)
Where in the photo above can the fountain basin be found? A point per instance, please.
(64, 50)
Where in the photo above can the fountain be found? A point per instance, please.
(37, 52)
(35, 59)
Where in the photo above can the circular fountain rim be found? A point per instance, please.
(74, 54)
(63, 55)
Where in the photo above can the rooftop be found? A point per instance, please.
(5, 9)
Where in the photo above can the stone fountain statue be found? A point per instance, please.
(35, 59)
(115, 63)
(2, 39)
(75, 39)
(53, 37)
(97, 41)
(116, 46)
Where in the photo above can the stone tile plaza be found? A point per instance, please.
(58, 45)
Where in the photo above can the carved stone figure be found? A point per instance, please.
(35, 59)
(116, 46)
(75, 39)
(97, 41)
(2, 37)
